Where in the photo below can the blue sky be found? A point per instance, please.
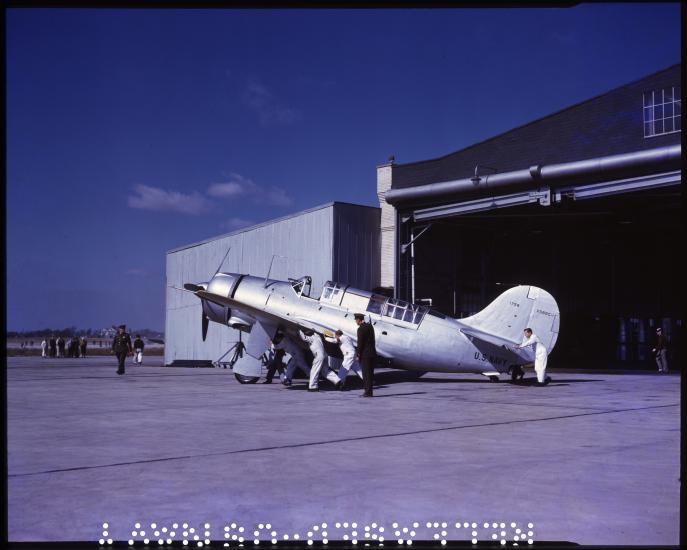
(132, 132)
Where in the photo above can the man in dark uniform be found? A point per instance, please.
(121, 346)
(53, 346)
(366, 352)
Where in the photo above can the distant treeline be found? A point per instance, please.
(73, 331)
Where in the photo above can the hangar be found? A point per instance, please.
(334, 241)
(585, 202)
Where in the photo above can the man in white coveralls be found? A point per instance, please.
(349, 361)
(319, 356)
(540, 355)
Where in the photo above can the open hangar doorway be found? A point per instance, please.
(612, 263)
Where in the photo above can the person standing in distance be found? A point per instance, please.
(121, 346)
(661, 351)
(366, 352)
(138, 350)
(540, 355)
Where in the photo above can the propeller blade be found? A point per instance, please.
(205, 323)
(192, 287)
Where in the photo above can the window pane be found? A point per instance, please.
(647, 129)
(658, 112)
(327, 293)
(658, 126)
(678, 124)
(678, 108)
(648, 112)
(408, 316)
(668, 110)
(668, 124)
(398, 314)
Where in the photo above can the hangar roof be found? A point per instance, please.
(269, 222)
(608, 124)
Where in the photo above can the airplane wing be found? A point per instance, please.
(480, 337)
(297, 323)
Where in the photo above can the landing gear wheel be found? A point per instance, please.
(246, 379)
(493, 378)
(516, 373)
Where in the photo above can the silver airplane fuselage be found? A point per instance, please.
(409, 336)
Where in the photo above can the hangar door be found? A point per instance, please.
(607, 252)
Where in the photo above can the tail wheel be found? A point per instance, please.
(516, 372)
(246, 379)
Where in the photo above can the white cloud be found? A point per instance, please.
(240, 187)
(269, 110)
(230, 189)
(154, 198)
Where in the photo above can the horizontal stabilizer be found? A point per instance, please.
(479, 336)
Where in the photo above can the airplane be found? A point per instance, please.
(408, 336)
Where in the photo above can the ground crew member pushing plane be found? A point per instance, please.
(349, 361)
(319, 355)
(297, 358)
(540, 355)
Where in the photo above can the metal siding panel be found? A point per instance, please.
(305, 240)
(358, 245)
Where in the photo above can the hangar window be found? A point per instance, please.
(662, 111)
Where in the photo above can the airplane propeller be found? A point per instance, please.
(191, 287)
(205, 322)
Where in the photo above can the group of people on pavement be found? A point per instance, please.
(364, 354)
(59, 347)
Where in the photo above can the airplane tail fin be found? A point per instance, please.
(515, 310)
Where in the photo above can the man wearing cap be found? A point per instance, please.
(661, 351)
(121, 346)
(366, 352)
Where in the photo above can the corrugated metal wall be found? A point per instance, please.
(357, 250)
(307, 242)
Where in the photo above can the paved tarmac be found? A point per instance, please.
(591, 458)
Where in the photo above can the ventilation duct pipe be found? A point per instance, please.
(597, 169)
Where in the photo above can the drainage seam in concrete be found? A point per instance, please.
(346, 440)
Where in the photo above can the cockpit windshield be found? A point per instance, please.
(332, 292)
(404, 311)
(302, 286)
(397, 309)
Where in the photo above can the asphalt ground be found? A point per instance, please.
(592, 458)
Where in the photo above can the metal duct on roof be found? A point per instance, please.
(596, 168)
